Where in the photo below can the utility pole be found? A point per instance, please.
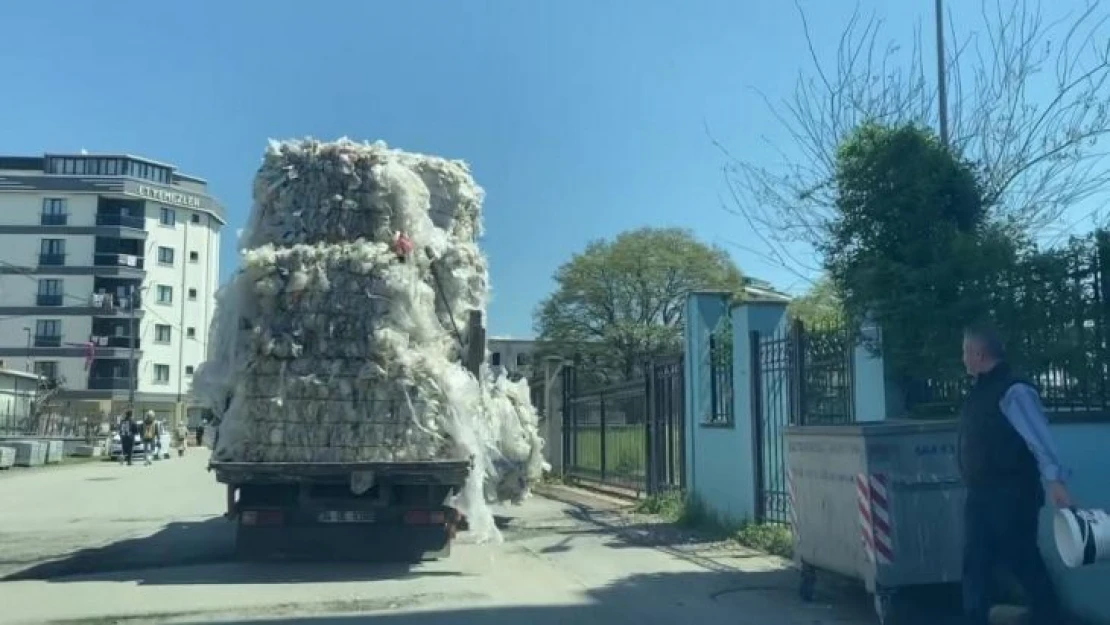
(942, 81)
(132, 330)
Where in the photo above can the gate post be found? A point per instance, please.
(569, 375)
(603, 436)
(797, 354)
(650, 413)
(756, 364)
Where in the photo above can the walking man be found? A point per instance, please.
(126, 438)
(1006, 450)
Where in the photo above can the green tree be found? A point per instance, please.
(621, 301)
(821, 306)
(910, 247)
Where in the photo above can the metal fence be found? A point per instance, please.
(1053, 311)
(800, 376)
(627, 435)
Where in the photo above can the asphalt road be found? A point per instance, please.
(101, 543)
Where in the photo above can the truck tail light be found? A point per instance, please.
(425, 517)
(262, 517)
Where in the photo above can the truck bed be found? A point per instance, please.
(446, 472)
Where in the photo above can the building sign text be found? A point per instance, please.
(170, 197)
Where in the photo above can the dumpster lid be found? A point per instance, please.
(890, 427)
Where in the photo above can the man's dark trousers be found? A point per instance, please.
(128, 448)
(1001, 533)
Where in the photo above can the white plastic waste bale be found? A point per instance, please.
(310, 191)
(7, 457)
(30, 453)
(340, 337)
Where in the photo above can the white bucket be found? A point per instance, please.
(1082, 536)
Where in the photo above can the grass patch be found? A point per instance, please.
(688, 512)
(773, 538)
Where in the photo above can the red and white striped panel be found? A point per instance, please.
(874, 517)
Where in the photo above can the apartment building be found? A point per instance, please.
(109, 265)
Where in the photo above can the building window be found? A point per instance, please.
(195, 218)
(52, 252)
(165, 294)
(192, 294)
(191, 333)
(189, 370)
(495, 359)
(162, 333)
(161, 374)
(168, 217)
(53, 212)
(50, 292)
(47, 369)
(48, 333)
(194, 257)
(165, 256)
(522, 360)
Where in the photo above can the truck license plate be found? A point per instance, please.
(346, 516)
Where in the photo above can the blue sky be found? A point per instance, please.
(580, 118)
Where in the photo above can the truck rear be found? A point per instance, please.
(375, 511)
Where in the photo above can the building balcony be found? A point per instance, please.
(52, 260)
(123, 342)
(122, 221)
(97, 383)
(48, 340)
(45, 299)
(117, 260)
(53, 219)
(111, 304)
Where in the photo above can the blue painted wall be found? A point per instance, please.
(1083, 447)
(720, 468)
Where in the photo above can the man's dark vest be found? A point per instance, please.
(992, 454)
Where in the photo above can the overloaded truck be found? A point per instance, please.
(354, 416)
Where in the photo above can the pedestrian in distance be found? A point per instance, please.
(1008, 461)
(182, 436)
(150, 436)
(126, 432)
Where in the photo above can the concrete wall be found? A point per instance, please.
(719, 462)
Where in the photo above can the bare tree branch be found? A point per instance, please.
(1037, 157)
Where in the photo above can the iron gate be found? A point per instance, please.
(799, 377)
(629, 434)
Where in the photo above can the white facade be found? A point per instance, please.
(511, 356)
(78, 234)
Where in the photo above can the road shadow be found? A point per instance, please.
(176, 544)
(184, 554)
(645, 599)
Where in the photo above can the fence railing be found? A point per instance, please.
(627, 435)
(1053, 312)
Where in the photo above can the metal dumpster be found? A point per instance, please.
(879, 502)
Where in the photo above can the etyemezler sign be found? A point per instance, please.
(166, 196)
